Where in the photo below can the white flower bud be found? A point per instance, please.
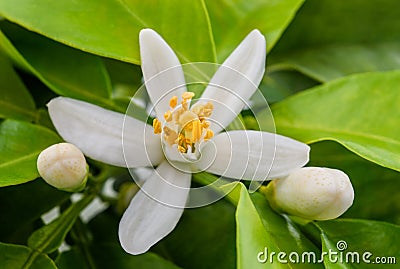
(63, 166)
(313, 193)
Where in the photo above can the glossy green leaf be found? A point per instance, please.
(335, 61)
(48, 238)
(20, 144)
(16, 256)
(332, 262)
(22, 206)
(251, 236)
(279, 85)
(15, 100)
(111, 256)
(112, 28)
(376, 188)
(64, 70)
(285, 234)
(193, 242)
(360, 112)
(350, 237)
(331, 39)
(233, 20)
(260, 232)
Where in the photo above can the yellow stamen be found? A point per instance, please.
(196, 130)
(209, 105)
(208, 108)
(198, 110)
(205, 124)
(182, 149)
(187, 95)
(170, 135)
(157, 126)
(173, 102)
(188, 126)
(168, 115)
(209, 134)
(185, 105)
(180, 139)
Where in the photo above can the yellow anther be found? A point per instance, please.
(209, 134)
(182, 149)
(209, 105)
(180, 139)
(187, 95)
(205, 124)
(207, 112)
(168, 115)
(197, 109)
(192, 124)
(196, 130)
(208, 108)
(185, 105)
(157, 126)
(170, 135)
(173, 102)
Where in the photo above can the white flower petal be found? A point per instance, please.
(97, 132)
(162, 71)
(236, 80)
(253, 155)
(155, 210)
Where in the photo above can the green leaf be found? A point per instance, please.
(112, 28)
(260, 232)
(20, 144)
(48, 238)
(375, 186)
(251, 236)
(360, 112)
(192, 244)
(71, 259)
(15, 100)
(16, 256)
(232, 20)
(64, 70)
(331, 39)
(360, 236)
(112, 256)
(284, 233)
(334, 61)
(23, 205)
(279, 85)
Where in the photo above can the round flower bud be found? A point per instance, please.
(63, 166)
(313, 193)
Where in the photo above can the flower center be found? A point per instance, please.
(185, 127)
